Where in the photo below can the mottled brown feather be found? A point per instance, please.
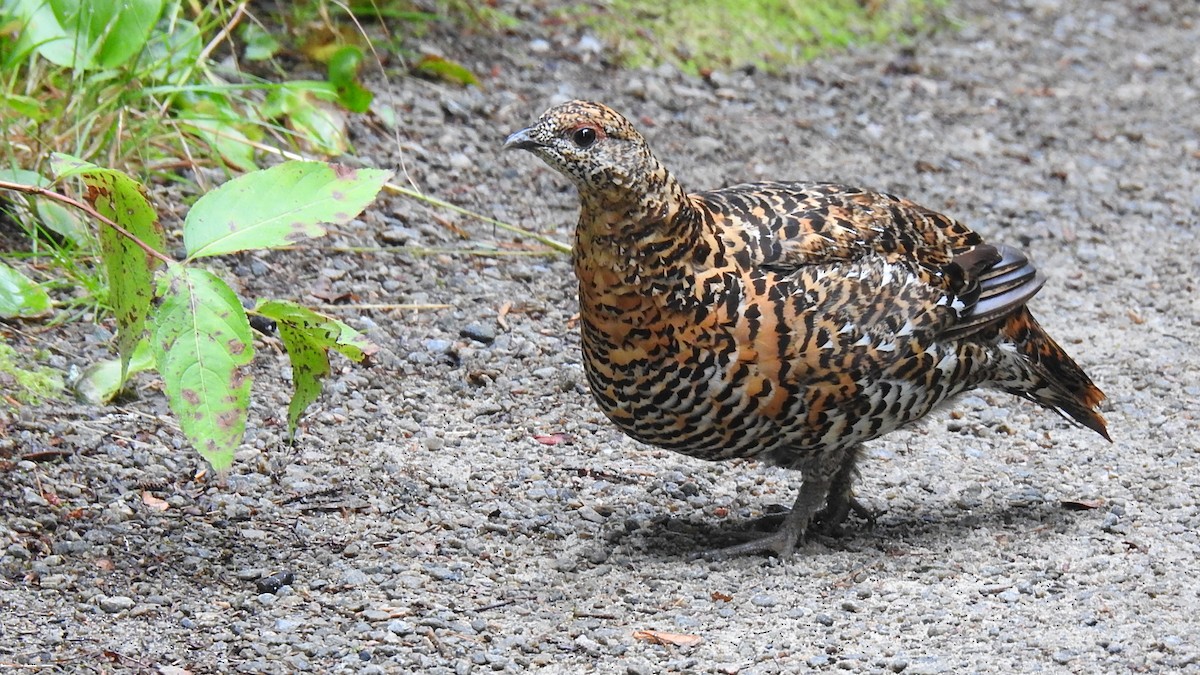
(786, 321)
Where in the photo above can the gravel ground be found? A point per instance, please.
(461, 506)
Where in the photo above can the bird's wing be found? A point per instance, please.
(898, 267)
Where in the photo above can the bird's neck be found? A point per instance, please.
(632, 226)
(630, 251)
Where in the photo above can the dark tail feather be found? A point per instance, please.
(1059, 384)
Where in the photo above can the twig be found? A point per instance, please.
(330, 308)
(86, 208)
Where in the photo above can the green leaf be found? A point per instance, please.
(64, 221)
(225, 137)
(130, 268)
(173, 49)
(444, 69)
(260, 44)
(302, 104)
(103, 380)
(86, 34)
(20, 297)
(343, 75)
(278, 206)
(25, 106)
(308, 336)
(201, 342)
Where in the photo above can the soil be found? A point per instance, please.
(461, 505)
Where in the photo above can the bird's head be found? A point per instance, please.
(594, 146)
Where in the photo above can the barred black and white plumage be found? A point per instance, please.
(788, 322)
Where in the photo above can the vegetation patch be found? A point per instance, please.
(700, 35)
(26, 383)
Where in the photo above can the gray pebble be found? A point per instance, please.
(115, 603)
(764, 600)
(479, 332)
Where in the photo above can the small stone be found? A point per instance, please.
(54, 581)
(355, 577)
(479, 332)
(438, 346)
(115, 603)
(824, 619)
(398, 236)
(764, 600)
(17, 551)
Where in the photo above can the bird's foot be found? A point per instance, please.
(829, 520)
(780, 544)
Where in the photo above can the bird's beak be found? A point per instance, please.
(521, 140)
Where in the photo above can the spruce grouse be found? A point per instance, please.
(787, 322)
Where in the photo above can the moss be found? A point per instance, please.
(26, 383)
(768, 34)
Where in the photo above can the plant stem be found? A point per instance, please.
(88, 209)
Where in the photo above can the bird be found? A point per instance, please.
(787, 322)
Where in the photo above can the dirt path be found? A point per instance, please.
(461, 506)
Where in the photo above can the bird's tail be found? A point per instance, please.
(1057, 382)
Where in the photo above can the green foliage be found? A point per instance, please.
(344, 66)
(201, 342)
(20, 297)
(708, 34)
(308, 338)
(102, 381)
(131, 84)
(128, 256)
(87, 34)
(277, 207)
(200, 339)
(440, 68)
(25, 383)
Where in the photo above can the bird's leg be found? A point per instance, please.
(841, 501)
(784, 540)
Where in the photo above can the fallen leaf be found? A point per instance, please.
(154, 502)
(722, 597)
(439, 68)
(659, 637)
(504, 310)
(1082, 504)
(1135, 317)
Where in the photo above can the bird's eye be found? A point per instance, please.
(583, 137)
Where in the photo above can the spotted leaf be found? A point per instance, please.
(130, 268)
(278, 206)
(201, 343)
(308, 337)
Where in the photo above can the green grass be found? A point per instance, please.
(700, 35)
